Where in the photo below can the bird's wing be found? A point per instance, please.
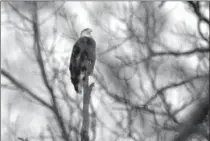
(75, 56)
(89, 54)
(83, 50)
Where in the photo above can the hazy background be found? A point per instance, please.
(151, 73)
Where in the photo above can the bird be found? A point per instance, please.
(82, 59)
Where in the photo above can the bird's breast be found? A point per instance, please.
(88, 41)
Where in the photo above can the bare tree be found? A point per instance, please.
(39, 57)
(144, 87)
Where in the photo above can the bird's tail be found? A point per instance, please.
(79, 88)
(77, 84)
(81, 82)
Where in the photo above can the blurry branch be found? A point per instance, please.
(99, 120)
(29, 20)
(190, 52)
(21, 86)
(162, 54)
(196, 6)
(11, 127)
(200, 32)
(19, 13)
(161, 4)
(173, 85)
(37, 49)
(113, 47)
(70, 19)
(197, 117)
(22, 139)
(63, 88)
(73, 106)
(51, 133)
(86, 116)
(125, 101)
(40, 54)
(197, 9)
(136, 106)
(25, 20)
(168, 109)
(16, 26)
(8, 86)
(98, 21)
(184, 106)
(54, 12)
(201, 111)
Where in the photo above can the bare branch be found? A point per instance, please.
(22, 139)
(51, 14)
(37, 46)
(197, 117)
(173, 85)
(19, 13)
(86, 102)
(190, 52)
(196, 8)
(21, 86)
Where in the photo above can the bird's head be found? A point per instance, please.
(86, 32)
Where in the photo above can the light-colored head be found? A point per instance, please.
(86, 32)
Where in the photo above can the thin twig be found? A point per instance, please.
(24, 88)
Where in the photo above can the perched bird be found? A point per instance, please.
(82, 59)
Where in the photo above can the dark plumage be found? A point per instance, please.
(82, 59)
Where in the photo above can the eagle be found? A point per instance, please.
(82, 59)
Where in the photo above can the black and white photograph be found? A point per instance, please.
(105, 70)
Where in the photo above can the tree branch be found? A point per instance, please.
(196, 9)
(37, 49)
(19, 13)
(86, 103)
(190, 52)
(197, 117)
(173, 85)
(21, 86)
